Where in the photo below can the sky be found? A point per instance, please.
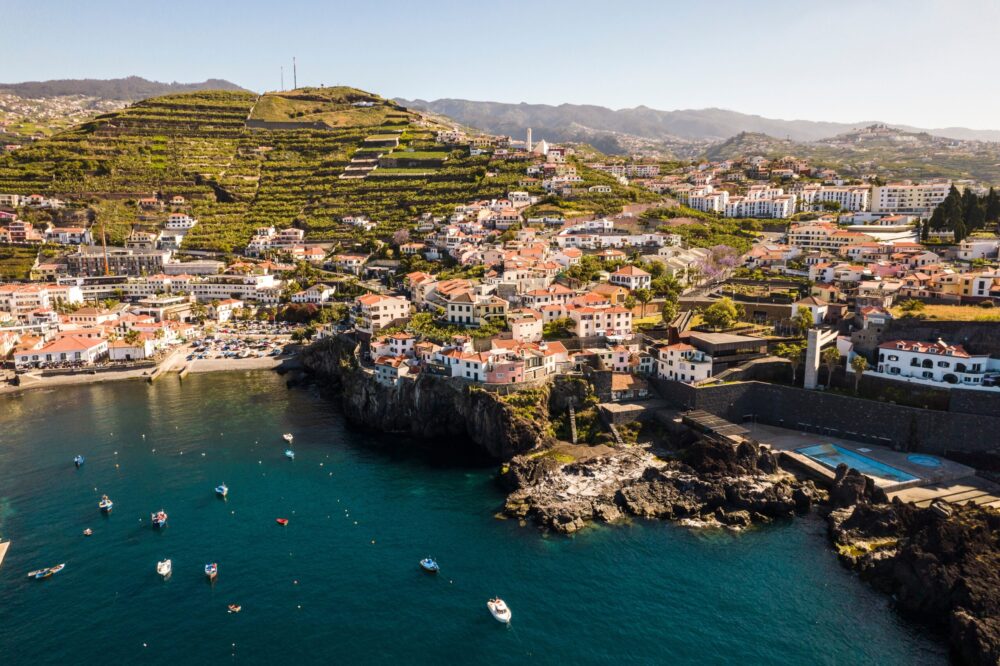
(927, 63)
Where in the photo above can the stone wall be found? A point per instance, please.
(834, 415)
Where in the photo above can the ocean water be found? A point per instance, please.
(340, 583)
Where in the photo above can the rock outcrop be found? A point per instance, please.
(449, 411)
(711, 483)
(943, 570)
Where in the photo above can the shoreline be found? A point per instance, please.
(169, 366)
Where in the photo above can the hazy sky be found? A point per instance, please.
(931, 63)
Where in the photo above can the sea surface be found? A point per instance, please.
(340, 583)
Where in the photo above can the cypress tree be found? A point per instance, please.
(992, 206)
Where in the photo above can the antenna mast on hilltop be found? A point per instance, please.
(295, 74)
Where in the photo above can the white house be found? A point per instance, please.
(65, 349)
(375, 311)
(631, 278)
(933, 361)
(682, 363)
(318, 293)
(817, 306)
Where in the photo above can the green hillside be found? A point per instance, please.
(237, 177)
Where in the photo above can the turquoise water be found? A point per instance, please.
(319, 591)
(832, 455)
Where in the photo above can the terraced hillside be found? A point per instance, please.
(304, 158)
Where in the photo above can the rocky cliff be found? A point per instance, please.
(449, 411)
(942, 564)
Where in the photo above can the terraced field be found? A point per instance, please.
(282, 171)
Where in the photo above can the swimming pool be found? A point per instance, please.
(831, 455)
(924, 461)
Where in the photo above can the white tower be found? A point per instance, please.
(527, 142)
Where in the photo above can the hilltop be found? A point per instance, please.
(878, 150)
(131, 88)
(304, 158)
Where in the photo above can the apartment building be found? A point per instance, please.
(911, 198)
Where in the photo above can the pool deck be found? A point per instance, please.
(787, 441)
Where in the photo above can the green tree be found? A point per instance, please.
(830, 357)
(912, 305)
(669, 310)
(992, 206)
(803, 320)
(859, 364)
(644, 296)
(794, 352)
(722, 314)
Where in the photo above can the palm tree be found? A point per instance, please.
(830, 357)
(793, 353)
(859, 364)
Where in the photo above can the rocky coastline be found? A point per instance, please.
(445, 412)
(941, 564)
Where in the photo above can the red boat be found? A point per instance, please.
(281, 521)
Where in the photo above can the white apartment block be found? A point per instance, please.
(779, 207)
(681, 362)
(850, 198)
(911, 198)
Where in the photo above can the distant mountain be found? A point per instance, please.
(565, 122)
(129, 89)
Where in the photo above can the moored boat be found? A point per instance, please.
(288, 437)
(159, 519)
(88, 532)
(105, 505)
(212, 570)
(40, 574)
(164, 567)
(222, 490)
(78, 460)
(290, 454)
(281, 521)
(429, 565)
(235, 608)
(499, 610)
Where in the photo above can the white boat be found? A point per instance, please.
(222, 490)
(499, 610)
(105, 505)
(429, 565)
(288, 437)
(164, 568)
(42, 574)
(159, 519)
(290, 454)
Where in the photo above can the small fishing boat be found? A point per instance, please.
(159, 519)
(222, 490)
(78, 460)
(429, 565)
(88, 532)
(164, 567)
(41, 574)
(235, 608)
(105, 504)
(290, 454)
(287, 437)
(499, 610)
(212, 570)
(281, 521)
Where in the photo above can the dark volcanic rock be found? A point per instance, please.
(850, 487)
(942, 570)
(450, 412)
(718, 482)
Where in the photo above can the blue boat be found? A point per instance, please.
(159, 519)
(222, 490)
(290, 454)
(42, 574)
(78, 460)
(212, 570)
(429, 565)
(105, 505)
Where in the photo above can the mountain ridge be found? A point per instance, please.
(129, 88)
(710, 124)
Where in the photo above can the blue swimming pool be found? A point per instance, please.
(831, 455)
(924, 461)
